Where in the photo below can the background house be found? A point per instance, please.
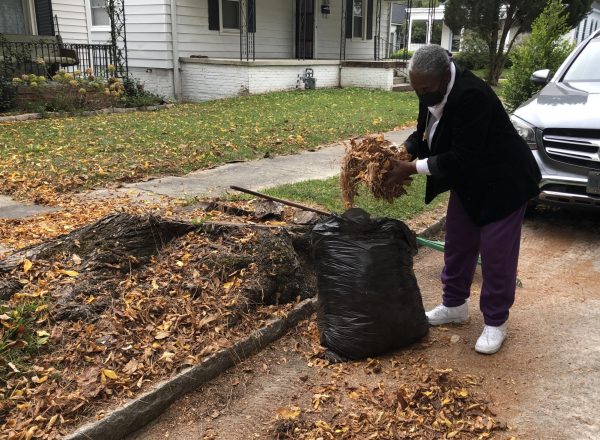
(588, 25)
(205, 49)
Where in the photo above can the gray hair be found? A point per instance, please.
(431, 60)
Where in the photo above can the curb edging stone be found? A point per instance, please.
(142, 410)
(104, 111)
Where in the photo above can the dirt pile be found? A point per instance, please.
(99, 314)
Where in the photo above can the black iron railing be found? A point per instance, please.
(386, 50)
(46, 57)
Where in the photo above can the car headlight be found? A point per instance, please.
(525, 130)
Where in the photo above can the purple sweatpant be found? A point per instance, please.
(498, 243)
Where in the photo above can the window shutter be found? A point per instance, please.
(251, 15)
(43, 16)
(370, 6)
(349, 17)
(213, 15)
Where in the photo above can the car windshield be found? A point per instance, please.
(586, 66)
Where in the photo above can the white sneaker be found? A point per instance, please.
(491, 339)
(445, 315)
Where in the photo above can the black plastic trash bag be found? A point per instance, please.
(368, 298)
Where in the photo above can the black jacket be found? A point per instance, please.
(476, 152)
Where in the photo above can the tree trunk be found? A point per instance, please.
(496, 70)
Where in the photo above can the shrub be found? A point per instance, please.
(136, 96)
(474, 52)
(544, 48)
(400, 54)
(7, 95)
(67, 92)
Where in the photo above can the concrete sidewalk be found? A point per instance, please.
(321, 163)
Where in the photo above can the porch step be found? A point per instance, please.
(406, 87)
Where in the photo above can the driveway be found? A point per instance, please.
(544, 383)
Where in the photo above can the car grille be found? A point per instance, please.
(576, 147)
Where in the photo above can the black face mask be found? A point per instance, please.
(430, 99)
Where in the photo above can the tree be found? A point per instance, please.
(492, 20)
(543, 49)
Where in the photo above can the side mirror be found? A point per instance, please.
(540, 77)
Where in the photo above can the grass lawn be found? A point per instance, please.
(69, 153)
(499, 88)
(326, 194)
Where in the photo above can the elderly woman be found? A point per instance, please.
(465, 143)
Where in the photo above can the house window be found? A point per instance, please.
(357, 15)
(99, 13)
(230, 13)
(16, 17)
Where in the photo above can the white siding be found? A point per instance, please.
(274, 31)
(329, 31)
(148, 26)
(149, 33)
(72, 20)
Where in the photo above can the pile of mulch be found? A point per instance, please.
(366, 162)
(99, 315)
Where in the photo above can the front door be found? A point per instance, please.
(305, 25)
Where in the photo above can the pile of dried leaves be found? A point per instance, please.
(399, 397)
(73, 211)
(82, 328)
(367, 161)
(438, 406)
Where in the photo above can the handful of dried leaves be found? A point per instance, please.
(367, 161)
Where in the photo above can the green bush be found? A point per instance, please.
(474, 52)
(544, 48)
(8, 93)
(136, 96)
(400, 54)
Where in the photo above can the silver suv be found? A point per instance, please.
(561, 124)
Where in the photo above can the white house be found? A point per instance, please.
(427, 26)
(587, 26)
(205, 49)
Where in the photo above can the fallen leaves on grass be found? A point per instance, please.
(55, 155)
(367, 161)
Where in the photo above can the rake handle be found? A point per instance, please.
(276, 199)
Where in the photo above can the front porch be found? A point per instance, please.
(204, 79)
(31, 41)
(259, 46)
(44, 55)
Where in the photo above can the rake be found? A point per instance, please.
(433, 244)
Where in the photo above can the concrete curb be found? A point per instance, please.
(104, 111)
(147, 407)
(142, 410)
